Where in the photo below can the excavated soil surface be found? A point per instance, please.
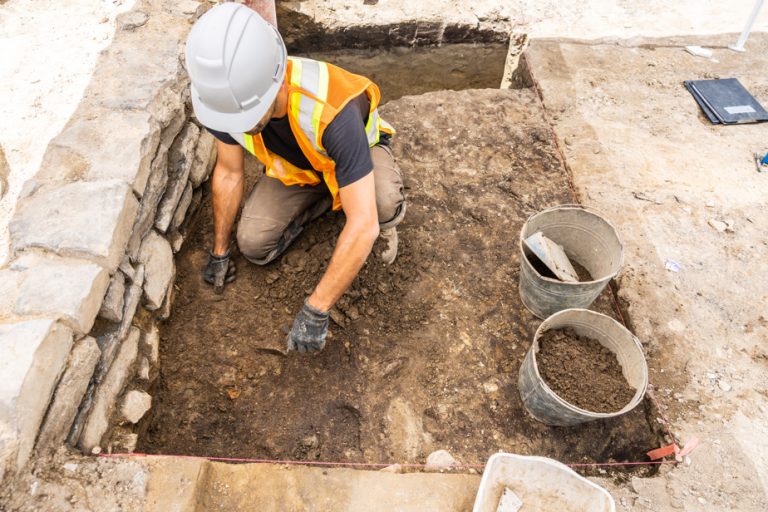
(582, 371)
(423, 354)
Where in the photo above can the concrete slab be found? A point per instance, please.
(639, 149)
(278, 488)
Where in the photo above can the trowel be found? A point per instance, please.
(552, 256)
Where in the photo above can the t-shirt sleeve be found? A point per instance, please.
(223, 137)
(347, 144)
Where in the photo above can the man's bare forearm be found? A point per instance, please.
(227, 189)
(265, 8)
(352, 249)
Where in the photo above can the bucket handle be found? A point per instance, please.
(573, 205)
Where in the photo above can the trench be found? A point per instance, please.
(421, 355)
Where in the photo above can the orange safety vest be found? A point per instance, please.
(317, 92)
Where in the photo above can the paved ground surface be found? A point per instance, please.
(640, 150)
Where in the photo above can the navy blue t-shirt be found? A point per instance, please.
(344, 139)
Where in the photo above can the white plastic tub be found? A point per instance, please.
(543, 485)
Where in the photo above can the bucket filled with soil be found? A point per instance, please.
(589, 245)
(582, 366)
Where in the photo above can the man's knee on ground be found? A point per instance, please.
(255, 245)
(389, 208)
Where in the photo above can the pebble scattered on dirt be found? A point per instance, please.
(582, 371)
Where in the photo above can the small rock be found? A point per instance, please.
(310, 441)
(490, 387)
(439, 460)
(719, 225)
(710, 204)
(353, 313)
(143, 371)
(70, 466)
(728, 225)
(135, 405)
(96, 450)
(724, 385)
(133, 20)
(272, 277)
(394, 468)
(338, 317)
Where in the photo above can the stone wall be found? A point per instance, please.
(93, 241)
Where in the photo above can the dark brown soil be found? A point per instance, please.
(423, 354)
(582, 371)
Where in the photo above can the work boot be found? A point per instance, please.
(389, 252)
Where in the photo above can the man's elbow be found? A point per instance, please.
(366, 230)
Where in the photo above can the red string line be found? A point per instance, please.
(360, 464)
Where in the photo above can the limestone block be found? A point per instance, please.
(43, 285)
(132, 299)
(69, 394)
(105, 397)
(127, 269)
(171, 131)
(103, 145)
(110, 341)
(164, 313)
(32, 356)
(145, 218)
(135, 405)
(82, 219)
(180, 160)
(114, 300)
(205, 156)
(177, 240)
(141, 69)
(157, 256)
(150, 343)
(181, 210)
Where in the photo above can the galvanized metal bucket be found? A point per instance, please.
(589, 239)
(544, 404)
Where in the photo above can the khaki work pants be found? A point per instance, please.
(275, 214)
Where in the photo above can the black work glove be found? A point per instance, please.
(219, 271)
(309, 329)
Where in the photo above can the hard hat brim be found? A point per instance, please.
(237, 122)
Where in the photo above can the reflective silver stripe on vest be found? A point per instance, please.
(313, 79)
(372, 128)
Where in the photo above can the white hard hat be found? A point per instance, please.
(236, 63)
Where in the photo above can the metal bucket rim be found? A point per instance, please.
(572, 206)
(595, 415)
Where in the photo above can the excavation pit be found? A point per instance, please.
(422, 355)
